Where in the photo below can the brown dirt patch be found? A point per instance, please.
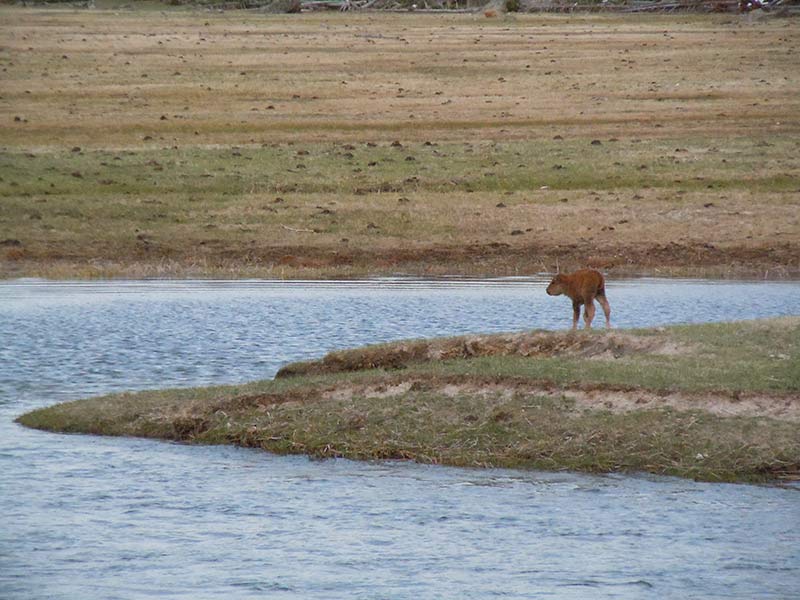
(773, 260)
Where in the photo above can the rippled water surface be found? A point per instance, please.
(88, 517)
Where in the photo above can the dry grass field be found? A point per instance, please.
(186, 143)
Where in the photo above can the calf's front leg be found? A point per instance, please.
(588, 315)
(576, 314)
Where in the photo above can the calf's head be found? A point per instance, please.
(557, 286)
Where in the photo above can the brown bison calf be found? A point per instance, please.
(583, 287)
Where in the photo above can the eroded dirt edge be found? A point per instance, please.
(589, 397)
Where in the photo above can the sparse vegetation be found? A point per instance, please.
(715, 402)
(186, 143)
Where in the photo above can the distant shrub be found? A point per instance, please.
(512, 6)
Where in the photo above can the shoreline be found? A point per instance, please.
(778, 262)
(81, 274)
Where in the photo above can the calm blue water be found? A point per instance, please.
(88, 517)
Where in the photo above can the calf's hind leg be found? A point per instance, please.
(606, 310)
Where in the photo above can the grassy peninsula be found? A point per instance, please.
(716, 402)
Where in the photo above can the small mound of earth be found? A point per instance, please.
(535, 344)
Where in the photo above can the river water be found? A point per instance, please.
(102, 518)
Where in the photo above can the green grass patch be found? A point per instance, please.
(368, 203)
(232, 171)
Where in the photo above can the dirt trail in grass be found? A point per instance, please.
(586, 397)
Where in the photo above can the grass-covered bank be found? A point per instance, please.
(717, 402)
(346, 210)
